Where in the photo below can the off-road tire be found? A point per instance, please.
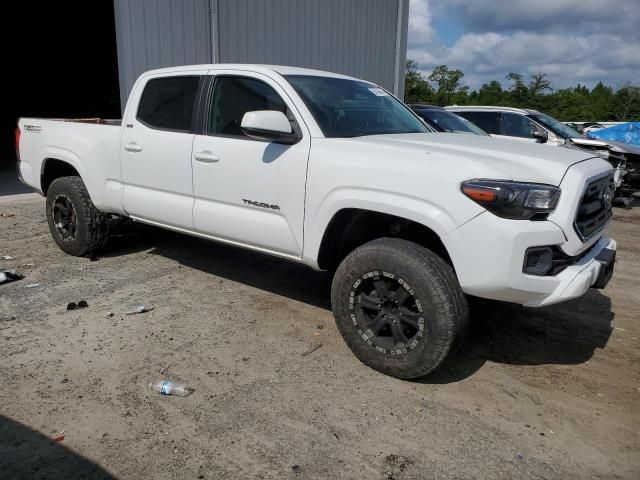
(91, 231)
(435, 286)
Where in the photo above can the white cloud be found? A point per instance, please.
(527, 37)
(420, 30)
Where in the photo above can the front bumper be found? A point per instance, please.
(594, 270)
(488, 252)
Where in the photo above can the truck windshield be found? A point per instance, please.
(353, 108)
(556, 126)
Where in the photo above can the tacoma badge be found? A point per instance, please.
(261, 204)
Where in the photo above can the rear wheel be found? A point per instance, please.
(398, 306)
(76, 225)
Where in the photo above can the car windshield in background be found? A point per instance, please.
(450, 122)
(556, 126)
(352, 108)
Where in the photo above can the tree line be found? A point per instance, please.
(443, 86)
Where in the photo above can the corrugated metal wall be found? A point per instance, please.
(354, 37)
(160, 33)
(363, 38)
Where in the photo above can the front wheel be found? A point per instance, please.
(398, 306)
(76, 225)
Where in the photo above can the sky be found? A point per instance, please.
(572, 41)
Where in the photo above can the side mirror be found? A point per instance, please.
(270, 125)
(540, 134)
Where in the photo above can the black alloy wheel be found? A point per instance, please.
(76, 225)
(64, 217)
(398, 306)
(386, 313)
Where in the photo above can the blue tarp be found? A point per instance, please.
(627, 132)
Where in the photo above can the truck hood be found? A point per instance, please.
(520, 161)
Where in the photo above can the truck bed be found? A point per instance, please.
(84, 143)
(116, 122)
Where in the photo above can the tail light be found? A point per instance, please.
(17, 134)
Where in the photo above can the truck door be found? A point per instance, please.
(249, 191)
(156, 150)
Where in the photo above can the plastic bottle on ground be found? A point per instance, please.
(167, 387)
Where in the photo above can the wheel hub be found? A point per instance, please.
(64, 217)
(387, 313)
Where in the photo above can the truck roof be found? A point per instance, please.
(250, 67)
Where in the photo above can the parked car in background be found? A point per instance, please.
(587, 127)
(518, 124)
(443, 121)
(528, 125)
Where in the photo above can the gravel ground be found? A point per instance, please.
(533, 393)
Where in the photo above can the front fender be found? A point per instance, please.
(405, 206)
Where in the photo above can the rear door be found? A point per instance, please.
(156, 148)
(249, 191)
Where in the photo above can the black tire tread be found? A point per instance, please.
(443, 280)
(96, 223)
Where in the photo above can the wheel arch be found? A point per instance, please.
(53, 168)
(350, 228)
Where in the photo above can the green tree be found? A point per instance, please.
(416, 87)
(448, 82)
(579, 103)
(460, 96)
(538, 84)
(518, 93)
(568, 104)
(490, 94)
(627, 103)
(601, 103)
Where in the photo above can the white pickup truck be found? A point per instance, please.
(335, 173)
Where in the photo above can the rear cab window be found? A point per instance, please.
(169, 103)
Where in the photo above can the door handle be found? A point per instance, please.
(206, 157)
(133, 147)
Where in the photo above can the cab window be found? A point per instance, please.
(168, 103)
(235, 96)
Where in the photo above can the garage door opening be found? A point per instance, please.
(60, 60)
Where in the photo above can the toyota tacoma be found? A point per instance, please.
(337, 174)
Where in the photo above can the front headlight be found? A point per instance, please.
(514, 200)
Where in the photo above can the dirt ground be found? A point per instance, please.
(534, 393)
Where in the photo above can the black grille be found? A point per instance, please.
(594, 210)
